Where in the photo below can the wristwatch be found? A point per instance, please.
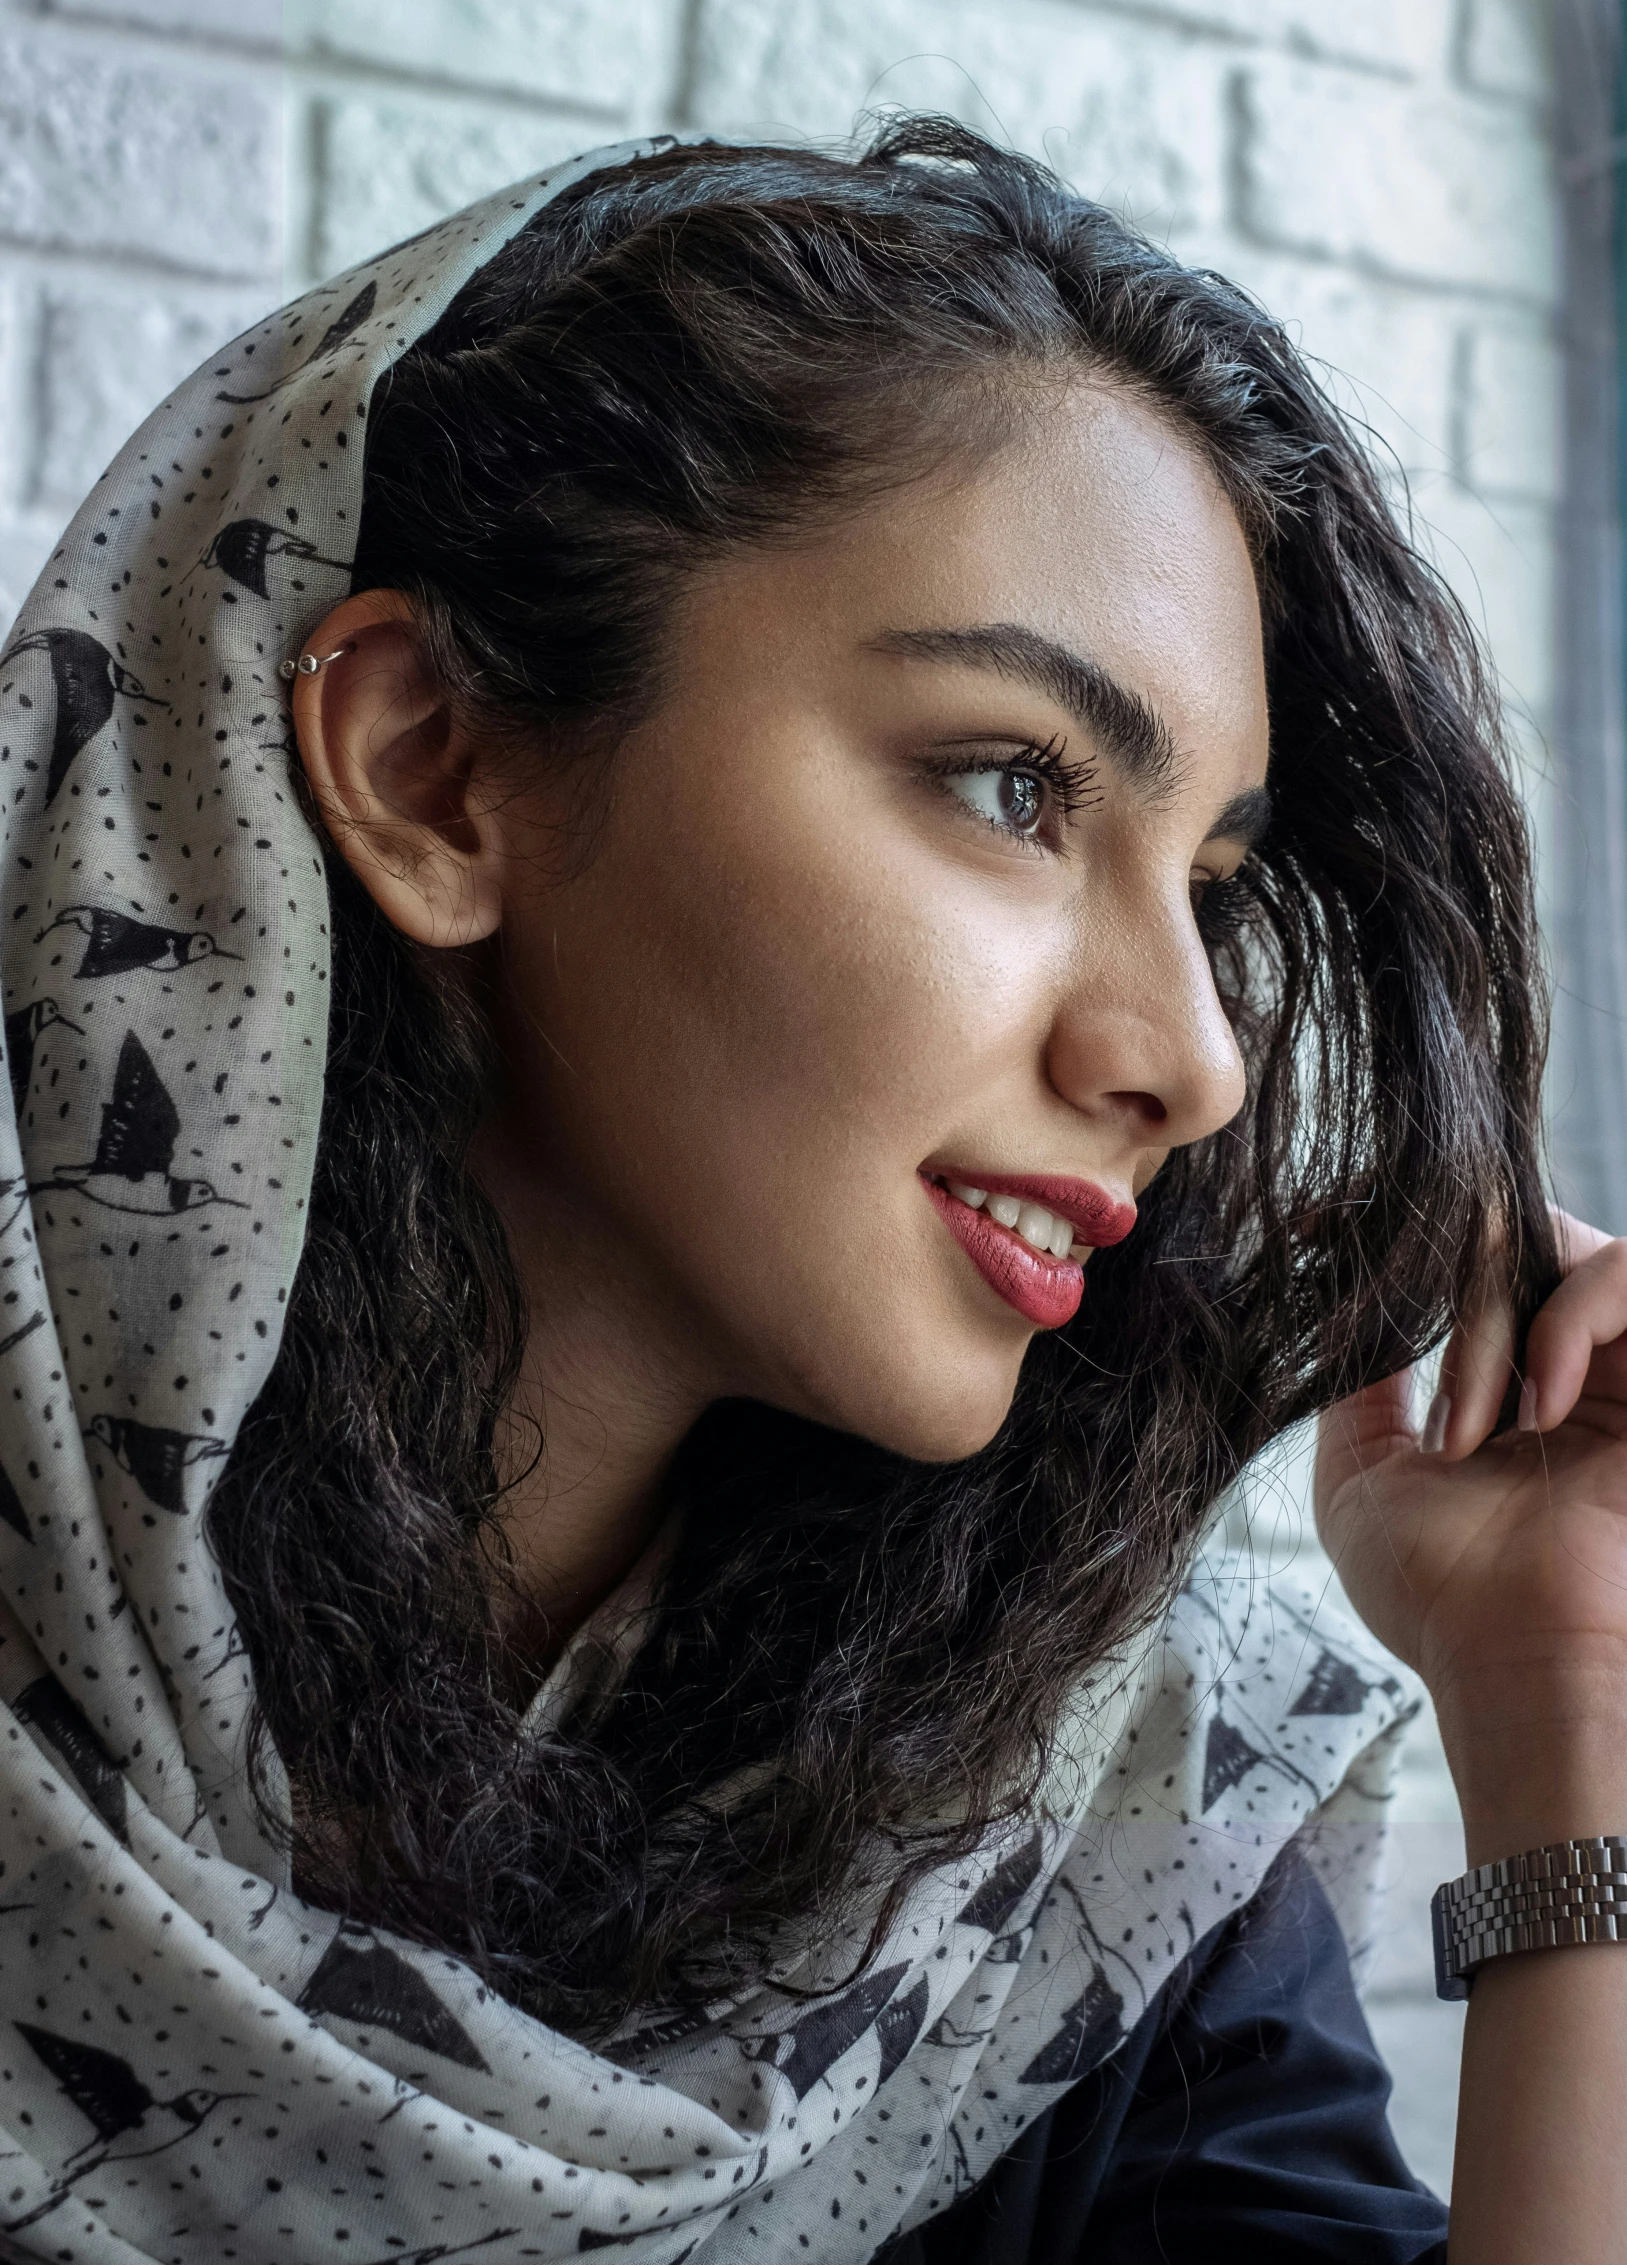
(1573, 1891)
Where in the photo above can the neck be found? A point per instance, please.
(609, 1387)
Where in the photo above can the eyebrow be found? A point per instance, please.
(1244, 819)
(1124, 724)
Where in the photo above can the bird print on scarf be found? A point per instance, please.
(12, 1513)
(87, 681)
(117, 945)
(23, 1032)
(244, 549)
(344, 325)
(363, 1980)
(110, 2096)
(46, 1707)
(130, 1170)
(803, 2051)
(159, 1461)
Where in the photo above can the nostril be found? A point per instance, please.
(1147, 1106)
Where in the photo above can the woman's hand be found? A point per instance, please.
(1497, 1567)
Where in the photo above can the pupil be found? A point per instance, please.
(1020, 799)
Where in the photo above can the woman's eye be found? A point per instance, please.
(1012, 800)
(1218, 907)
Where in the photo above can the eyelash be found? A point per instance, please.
(1219, 909)
(1068, 784)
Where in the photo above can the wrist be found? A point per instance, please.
(1538, 1759)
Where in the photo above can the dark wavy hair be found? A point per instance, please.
(703, 349)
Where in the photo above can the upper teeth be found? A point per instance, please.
(1042, 1228)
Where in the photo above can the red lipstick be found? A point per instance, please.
(1044, 1290)
(1095, 1216)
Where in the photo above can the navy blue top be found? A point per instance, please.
(1244, 2117)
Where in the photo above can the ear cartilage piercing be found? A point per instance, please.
(307, 664)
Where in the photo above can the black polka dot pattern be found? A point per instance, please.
(196, 2066)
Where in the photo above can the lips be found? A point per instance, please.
(1096, 1217)
(1043, 1287)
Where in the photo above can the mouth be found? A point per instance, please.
(1029, 1237)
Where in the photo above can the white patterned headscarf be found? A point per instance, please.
(195, 2065)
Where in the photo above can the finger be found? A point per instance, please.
(1475, 1374)
(1479, 1363)
(1576, 1239)
(1589, 1309)
(1363, 1430)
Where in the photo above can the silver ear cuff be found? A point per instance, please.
(307, 664)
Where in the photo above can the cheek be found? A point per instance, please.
(842, 1006)
(786, 1010)
(751, 1037)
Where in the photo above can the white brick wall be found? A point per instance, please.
(115, 154)
(1410, 185)
(1378, 171)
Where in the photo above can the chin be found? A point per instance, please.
(941, 1418)
(909, 1369)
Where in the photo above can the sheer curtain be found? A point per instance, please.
(1587, 881)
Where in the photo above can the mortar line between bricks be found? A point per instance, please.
(686, 79)
(30, 254)
(1460, 65)
(258, 55)
(1460, 292)
(27, 445)
(314, 68)
(255, 60)
(98, 30)
(1299, 47)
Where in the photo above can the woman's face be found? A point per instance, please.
(894, 897)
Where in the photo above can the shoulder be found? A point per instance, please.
(1248, 2105)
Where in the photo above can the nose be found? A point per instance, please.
(1142, 1040)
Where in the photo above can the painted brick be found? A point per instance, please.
(601, 53)
(101, 155)
(1388, 356)
(1133, 118)
(1426, 186)
(1509, 434)
(1499, 559)
(1505, 47)
(25, 545)
(108, 360)
(1398, 36)
(16, 390)
(259, 22)
(385, 170)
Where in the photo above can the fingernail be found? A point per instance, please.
(1435, 1423)
(1527, 1418)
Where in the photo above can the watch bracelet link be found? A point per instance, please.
(1572, 1891)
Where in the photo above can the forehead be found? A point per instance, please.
(1098, 524)
(1104, 500)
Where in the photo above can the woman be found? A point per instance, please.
(601, 1635)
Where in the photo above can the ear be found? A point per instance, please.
(396, 779)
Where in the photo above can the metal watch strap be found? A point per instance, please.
(1573, 1891)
